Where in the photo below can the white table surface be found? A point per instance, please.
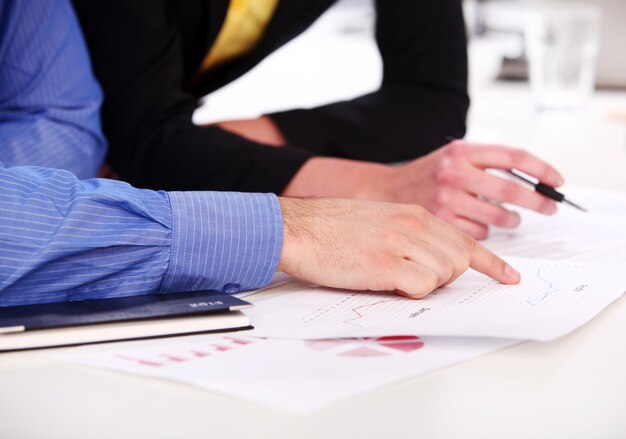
(574, 387)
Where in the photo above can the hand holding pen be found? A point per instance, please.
(545, 190)
(542, 188)
(453, 183)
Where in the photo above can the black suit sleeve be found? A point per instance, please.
(423, 97)
(147, 114)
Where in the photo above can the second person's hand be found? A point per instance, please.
(450, 182)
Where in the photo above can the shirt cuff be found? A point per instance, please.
(224, 241)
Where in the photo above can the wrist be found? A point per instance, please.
(262, 130)
(343, 178)
(292, 213)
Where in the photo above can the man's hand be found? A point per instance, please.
(365, 245)
(450, 182)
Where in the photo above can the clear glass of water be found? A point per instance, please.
(562, 41)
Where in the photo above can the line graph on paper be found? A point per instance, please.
(472, 305)
(544, 295)
(543, 284)
(360, 310)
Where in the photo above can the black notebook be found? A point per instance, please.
(117, 319)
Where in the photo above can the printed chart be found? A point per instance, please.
(178, 353)
(542, 284)
(361, 309)
(367, 346)
(293, 375)
(552, 299)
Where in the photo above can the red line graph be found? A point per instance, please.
(359, 315)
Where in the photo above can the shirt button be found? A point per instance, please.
(231, 288)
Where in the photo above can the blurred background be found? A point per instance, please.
(572, 109)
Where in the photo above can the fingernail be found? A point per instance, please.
(511, 273)
(560, 180)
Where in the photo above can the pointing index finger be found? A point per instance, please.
(489, 263)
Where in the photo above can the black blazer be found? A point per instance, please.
(146, 54)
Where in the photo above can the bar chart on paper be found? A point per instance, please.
(165, 355)
(473, 305)
(294, 375)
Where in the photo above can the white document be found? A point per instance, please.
(598, 201)
(552, 299)
(595, 236)
(570, 235)
(291, 375)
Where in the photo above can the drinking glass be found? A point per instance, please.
(562, 41)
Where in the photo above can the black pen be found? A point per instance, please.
(545, 190)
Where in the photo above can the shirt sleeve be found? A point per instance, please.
(49, 98)
(147, 114)
(422, 100)
(65, 239)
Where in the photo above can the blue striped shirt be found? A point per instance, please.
(49, 99)
(66, 239)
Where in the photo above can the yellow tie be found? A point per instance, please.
(242, 29)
